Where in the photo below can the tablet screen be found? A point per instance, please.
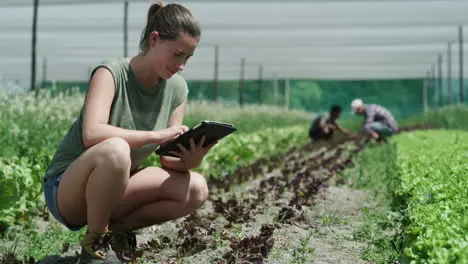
(212, 130)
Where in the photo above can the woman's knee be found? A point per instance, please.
(115, 154)
(198, 190)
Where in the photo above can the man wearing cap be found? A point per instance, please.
(378, 121)
(323, 126)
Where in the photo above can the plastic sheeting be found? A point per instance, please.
(292, 39)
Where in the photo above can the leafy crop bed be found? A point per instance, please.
(245, 209)
(420, 184)
(434, 181)
(252, 209)
(31, 128)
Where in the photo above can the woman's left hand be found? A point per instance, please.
(193, 156)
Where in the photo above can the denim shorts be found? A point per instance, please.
(50, 192)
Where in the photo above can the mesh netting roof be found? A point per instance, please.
(292, 39)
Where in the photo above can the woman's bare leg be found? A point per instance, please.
(155, 195)
(96, 189)
(93, 185)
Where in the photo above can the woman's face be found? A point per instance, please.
(168, 57)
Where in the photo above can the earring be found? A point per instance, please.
(153, 38)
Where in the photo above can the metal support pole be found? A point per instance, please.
(34, 45)
(439, 67)
(44, 72)
(125, 29)
(433, 82)
(449, 73)
(241, 83)
(275, 89)
(460, 62)
(260, 83)
(286, 94)
(216, 71)
(424, 91)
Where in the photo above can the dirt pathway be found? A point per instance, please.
(276, 211)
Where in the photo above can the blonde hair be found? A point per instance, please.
(169, 21)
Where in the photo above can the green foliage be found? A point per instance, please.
(243, 149)
(21, 184)
(304, 253)
(31, 127)
(376, 171)
(451, 117)
(377, 168)
(304, 94)
(28, 241)
(419, 182)
(248, 119)
(379, 230)
(434, 182)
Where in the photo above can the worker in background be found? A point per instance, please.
(323, 126)
(378, 121)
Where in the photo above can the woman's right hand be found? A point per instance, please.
(164, 135)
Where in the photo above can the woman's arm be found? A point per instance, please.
(96, 116)
(173, 163)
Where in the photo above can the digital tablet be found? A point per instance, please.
(212, 130)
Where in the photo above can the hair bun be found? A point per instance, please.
(155, 7)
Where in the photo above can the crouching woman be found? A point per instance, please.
(132, 105)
